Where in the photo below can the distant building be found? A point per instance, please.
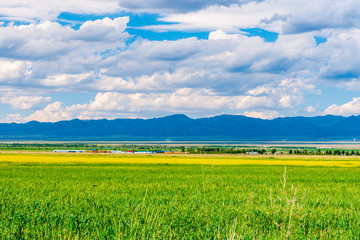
(117, 151)
(69, 151)
(144, 152)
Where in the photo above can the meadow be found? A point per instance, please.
(88, 196)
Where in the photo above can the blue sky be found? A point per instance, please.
(95, 59)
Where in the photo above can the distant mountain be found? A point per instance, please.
(182, 128)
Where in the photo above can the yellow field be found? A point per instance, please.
(50, 158)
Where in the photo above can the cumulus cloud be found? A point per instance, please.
(100, 29)
(324, 14)
(342, 63)
(198, 102)
(224, 62)
(114, 104)
(263, 114)
(352, 85)
(65, 79)
(220, 35)
(233, 72)
(230, 72)
(228, 18)
(159, 6)
(12, 70)
(50, 40)
(280, 16)
(230, 66)
(51, 113)
(25, 102)
(13, 118)
(158, 82)
(288, 93)
(310, 109)
(276, 15)
(181, 100)
(46, 10)
(347, 109)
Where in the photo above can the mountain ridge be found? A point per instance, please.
(180, 127)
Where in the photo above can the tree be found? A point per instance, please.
(273, 151)
(337, 152)
(261, 151)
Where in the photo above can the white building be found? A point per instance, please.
(69, 151)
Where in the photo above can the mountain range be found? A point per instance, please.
(182, 128)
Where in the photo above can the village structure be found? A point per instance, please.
(116, 151)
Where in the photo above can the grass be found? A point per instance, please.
(59, 196)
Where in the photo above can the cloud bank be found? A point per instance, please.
(230, 72)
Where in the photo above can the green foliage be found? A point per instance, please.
(190, 148)
(337, 152)
(124, 201)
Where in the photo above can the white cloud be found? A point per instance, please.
(323, 14)
(281, 16)
(65, 79)
(347, 109)
(277, 15)
(352, 85)
(234, 65)
(161, 6)
(13, 70)
(310, 109)
(48, 10)
(228, 72)
(228, 18)
(50, 40)
(25, 102)
(114, 104)
(341, 51)
(286, 101)
(188, 75)
(221, 35)
(13, 118)
(101, 29)
(224, 63)
(51, 113)
(181, 100)
(158, 82)
(288, 93)
(41, 10)
(263, 114)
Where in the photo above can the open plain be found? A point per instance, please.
(88, 196)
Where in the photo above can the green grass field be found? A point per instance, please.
(40, 200)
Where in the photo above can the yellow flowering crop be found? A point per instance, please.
(50, 158)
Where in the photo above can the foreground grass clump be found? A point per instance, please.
(157, 201)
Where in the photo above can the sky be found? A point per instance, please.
(95, 59)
